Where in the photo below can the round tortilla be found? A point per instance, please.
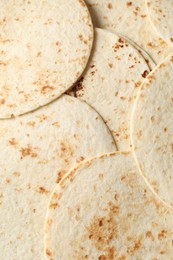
(161, 16)
(37, 149)
(129, 18)
(111, 82)
(44, 49)
(104, 210)
(152, 130)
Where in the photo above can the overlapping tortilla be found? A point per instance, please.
(111, 82)
(36, 150)
(44, 48)
(104, 210)
(161, 15)
(152, 130)
(129, 18)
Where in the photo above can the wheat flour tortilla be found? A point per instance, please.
(161, 16)
(129, 18)
(104, 210)
(37, 149)
(152, 130)
(44, 48)
(111, 81)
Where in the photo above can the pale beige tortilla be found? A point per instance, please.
(129, 18)
(161, 16)
(152, 130)
(44, 48)
(36, 150)
(104, 210)
(111, 82)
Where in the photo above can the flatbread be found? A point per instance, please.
(104, 210)
(111, 81)
(129, 18)
(44, 48)
(36, 151)
(152, 130)
(161, 15)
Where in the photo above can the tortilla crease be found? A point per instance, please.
(37, 149)
(161, 16)
(152, 130)
(129, 18)
(44, 48)
(111, 82)
(104, 210)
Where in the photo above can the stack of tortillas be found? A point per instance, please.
(86, 130)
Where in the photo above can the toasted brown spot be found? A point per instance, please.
(53, 205)
(162, 234)
(171, 39)
(2, 101)
(43, 190)
(48, 252)
(129, 3)
(7, 181)
(12, 141)
(28, 151)
(110, 65)
(152, 119)
(39, 54)
(145, 73)
(47, 88)
(109, 5)
(16, 174)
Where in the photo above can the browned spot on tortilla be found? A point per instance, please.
(12, 141)
(47, 88)
(129, 3)
(133, 248)
(42, 190)
(171, 59)
(31, 123)
(53, 205)
(162, 234)
(48, 252)
(172, 147)
(56, 124)
(152, 119)
(3, 63)
(60, 175)
(109, 254)
(7, 181)
(171, 39)
(80, 159)
(28, 151)
(149, 234)
(110, 65)
(16, 174)
(39, 54)
(145, 73)
(102, 230)
(2, 101)
(109, 5)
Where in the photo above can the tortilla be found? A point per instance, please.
(104, 210)
(37, 149)
(160, 13)
(129, 18)
(44, 48)
(152, 130)
(111, 81)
